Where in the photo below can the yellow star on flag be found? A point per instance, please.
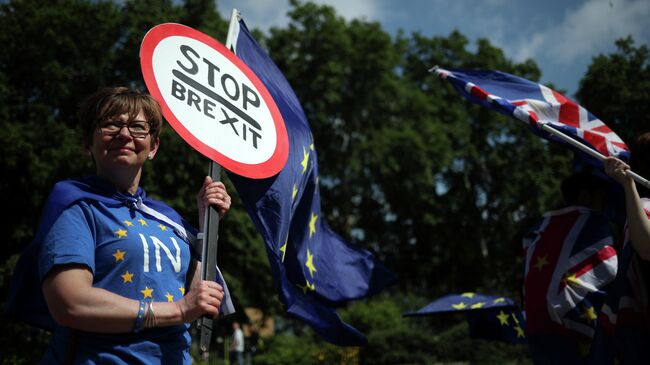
(499, 300)
(311, 146)
(460, 305)
(571, 278)
(170, 298)
(312, 224)
(128, 223)
(162, 227)
(294, 192)
(119, 255)
(514, 318)
(305, 160)
(120, 233)
(142, 222)
(310, 263)
(541, 262)
(308, 286)
(468, 295)
(503, 318)
(589, 314)
(283, 249)
(128, 277)
(182, 290)
(477, 305)
(146, 292)
(520, 332)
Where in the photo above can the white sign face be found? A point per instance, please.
(214, 101)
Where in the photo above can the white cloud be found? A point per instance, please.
(264, 14)
(354, 9)
(592, 27)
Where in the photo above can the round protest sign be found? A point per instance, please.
(214, 101)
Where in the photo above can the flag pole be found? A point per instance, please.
(211, 226)
(593, 153)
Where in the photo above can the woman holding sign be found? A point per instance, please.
(118, 269)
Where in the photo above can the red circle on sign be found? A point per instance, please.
(261, 170)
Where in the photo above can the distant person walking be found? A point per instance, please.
(237, 345)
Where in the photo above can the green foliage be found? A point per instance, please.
(374, 315)
(409, 169)
(287, 349)
(616, 89)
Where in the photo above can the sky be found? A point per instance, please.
(561, 36)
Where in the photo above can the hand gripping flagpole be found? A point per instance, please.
(209, 256)
(593, 153)
(211, 226)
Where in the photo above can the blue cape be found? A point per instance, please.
(25, 300)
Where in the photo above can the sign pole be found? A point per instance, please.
(211, 226)
(209, 256)
(219, 106)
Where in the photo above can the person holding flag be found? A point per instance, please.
(111, 272)
(552, 116)
(626, 313)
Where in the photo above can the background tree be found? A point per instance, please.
(408, 168)
(616, 88)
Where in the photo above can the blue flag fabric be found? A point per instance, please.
(506, 325)
(489, 317)
(313, 268)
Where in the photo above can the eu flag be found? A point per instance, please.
(313, 268)
(489, 317)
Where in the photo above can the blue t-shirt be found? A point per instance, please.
(131, 254)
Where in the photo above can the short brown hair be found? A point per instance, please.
(110, 102)
(640, 160)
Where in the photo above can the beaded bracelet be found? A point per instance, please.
(139, 320)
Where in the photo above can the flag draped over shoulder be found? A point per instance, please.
(489, 317)
(625, 303)
(569, 259)
(535, 104)
(25, 299)
(313, 268)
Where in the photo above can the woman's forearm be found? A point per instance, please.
(74, 303)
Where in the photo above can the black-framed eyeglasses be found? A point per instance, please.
(137, 130)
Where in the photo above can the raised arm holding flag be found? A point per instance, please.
(625, 318)
(552, 116)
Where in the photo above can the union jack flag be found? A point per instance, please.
(535, 104)
(569, 258)
(628, 293)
